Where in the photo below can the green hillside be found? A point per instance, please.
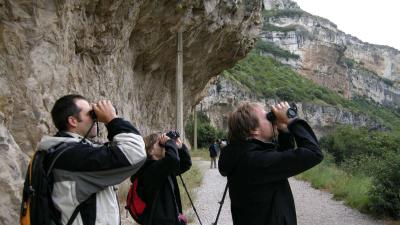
(271, 79)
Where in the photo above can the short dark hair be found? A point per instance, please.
(64, 108)
(242, 122)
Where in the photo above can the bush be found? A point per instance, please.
(269, 47)
(352, 189)
(206, 133)
(371, 161)
(385, 193)
(286, 94)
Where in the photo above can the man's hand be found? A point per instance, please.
(105, 111)
(280, 111)
(163, 139)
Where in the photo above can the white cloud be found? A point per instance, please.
(375, 22)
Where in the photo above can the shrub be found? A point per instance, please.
(286, 94)
(206, 133)
(385, 193)
(269, 47)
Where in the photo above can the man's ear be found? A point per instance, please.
(72, 122)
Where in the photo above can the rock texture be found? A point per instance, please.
(332, 58)
(224, 95)
(123, 50)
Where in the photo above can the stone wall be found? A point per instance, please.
(122, 50)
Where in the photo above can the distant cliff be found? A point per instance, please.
(330, 57)
(316, 49)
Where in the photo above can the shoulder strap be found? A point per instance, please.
(56, 157)
(74, 214)
(59, 153)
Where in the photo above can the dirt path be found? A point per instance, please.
(314, 207)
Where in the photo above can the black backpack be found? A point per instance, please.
(37, 206)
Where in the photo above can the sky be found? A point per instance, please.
(373, 21)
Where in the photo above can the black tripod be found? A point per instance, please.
(190, 199)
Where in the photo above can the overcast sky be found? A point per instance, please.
(372, 21)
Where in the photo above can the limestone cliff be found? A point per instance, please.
(330, 57)
(223, 96)
(123, 50)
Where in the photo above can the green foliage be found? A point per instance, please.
(373, 155)
(201, 153)
(346, 143)
(352, 189)
(270, 79)
(269, 47)
(349, 62)
(385, 193)
(287, 94)
(206, 133)
(270, 27)
(283, 13)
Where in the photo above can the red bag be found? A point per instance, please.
(134, 204)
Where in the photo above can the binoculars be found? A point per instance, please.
(291, 113)
(173, 134)
(94, 116)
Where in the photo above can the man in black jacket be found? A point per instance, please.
(258, 168)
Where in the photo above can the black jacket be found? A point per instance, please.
(157, 180)
(257, 175)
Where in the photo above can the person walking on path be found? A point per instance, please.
(258, 168)
(213, 149)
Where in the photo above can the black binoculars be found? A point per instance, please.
(291, 113)
(94, 116)
(173, 134)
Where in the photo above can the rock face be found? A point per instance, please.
(123, 50)
(224, 95)
(332, 58)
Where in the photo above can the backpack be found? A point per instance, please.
(134, 203)
(37, 206)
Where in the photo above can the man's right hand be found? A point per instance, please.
(105, 111)
(280, 111)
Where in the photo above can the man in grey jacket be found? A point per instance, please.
(85, 173)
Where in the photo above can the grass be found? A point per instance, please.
(352, 189)
(200, 153)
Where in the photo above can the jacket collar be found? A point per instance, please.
(261, 144)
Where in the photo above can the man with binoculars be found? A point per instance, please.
(264, 150)
(84, 172)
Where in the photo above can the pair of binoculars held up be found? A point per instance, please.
(291, 113)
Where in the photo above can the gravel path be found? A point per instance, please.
(314, 207)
